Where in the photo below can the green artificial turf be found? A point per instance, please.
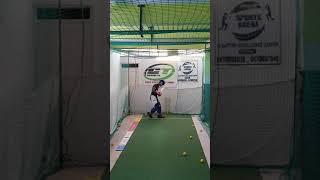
(154, 152)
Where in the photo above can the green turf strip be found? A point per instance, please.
(154, 152)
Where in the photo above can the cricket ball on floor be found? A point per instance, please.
(190, 137)
(184, 154)
(201, 160)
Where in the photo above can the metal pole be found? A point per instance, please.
(202, 115)
(129, 96)
(141, 6)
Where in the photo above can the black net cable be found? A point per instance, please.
(49, 162)
(147, 8)
(201, 16)
(174, 15)
(123, 10)
(156, 14)
(185, 26)
(168, 19)
(118, 21)
(164, 18)
(137, 12)
(82, 75)
(69, 116)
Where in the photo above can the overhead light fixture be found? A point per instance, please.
(169, 58)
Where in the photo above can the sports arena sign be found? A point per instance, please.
(154, 72)
(159, 72)
(188, 71)
(249, 32)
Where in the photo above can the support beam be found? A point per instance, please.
(159, 39)
(155, 43)
(158, 32)
(141, 6)
(152, 35)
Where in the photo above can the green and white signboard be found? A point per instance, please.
(152, 73)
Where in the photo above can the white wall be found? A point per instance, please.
(182, 100)
(88, 97)
(28, 105)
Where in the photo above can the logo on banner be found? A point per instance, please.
(188, 72)
(187, 68)
(250, 33)
(159, 71)
(247, 20)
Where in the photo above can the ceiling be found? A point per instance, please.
(161, 24)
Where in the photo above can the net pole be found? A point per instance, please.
(203, 113)
(129, 109)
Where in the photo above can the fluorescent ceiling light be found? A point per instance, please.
(169, 58)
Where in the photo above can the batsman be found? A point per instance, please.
(154, 99)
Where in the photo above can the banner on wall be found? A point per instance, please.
(249, 32)
(188, 71)
(152, 72)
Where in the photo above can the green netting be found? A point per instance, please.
(163, 23)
